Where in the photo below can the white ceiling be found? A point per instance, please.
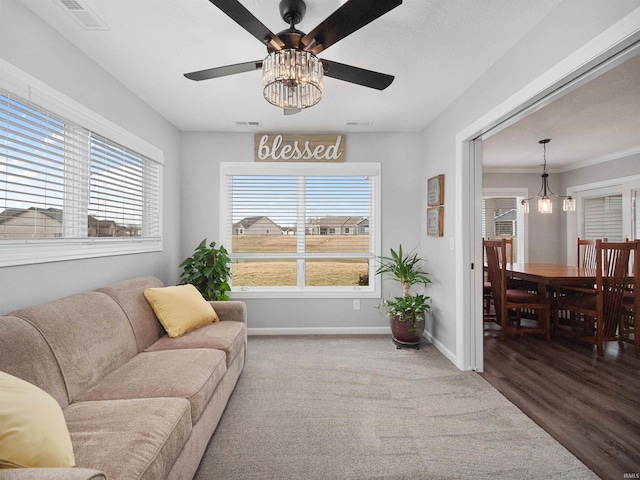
(596, 122)
(435, 48)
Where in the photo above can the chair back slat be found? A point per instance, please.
(612, 276)
(587, 253)
(508, 241)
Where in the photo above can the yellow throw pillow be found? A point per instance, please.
(33, 432)
(181, 308)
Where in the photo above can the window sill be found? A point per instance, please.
(26, 252)
(354, 292)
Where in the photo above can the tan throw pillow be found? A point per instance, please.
(33, 432)
(181, 308)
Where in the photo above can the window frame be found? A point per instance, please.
(371, 169)
(599, 193)
(32, 251)
(621, 185)
(522, 249)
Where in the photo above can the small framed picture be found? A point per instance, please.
(435, 191)
(435, 221)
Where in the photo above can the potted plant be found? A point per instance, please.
(208, 270)
(406, 313)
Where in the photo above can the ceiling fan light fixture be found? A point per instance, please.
(292, 79)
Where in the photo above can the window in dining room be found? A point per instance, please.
(501, 219)
(602, 217)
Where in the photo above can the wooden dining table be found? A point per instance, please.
(551, 275)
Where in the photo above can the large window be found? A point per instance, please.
(301, 229)
(602, 217)
(501, 219)
(605, 209)
(68, 192)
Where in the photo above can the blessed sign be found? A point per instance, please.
(298, 148)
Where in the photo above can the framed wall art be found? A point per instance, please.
(435, 221)
(435, 191)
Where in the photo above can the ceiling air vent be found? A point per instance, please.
(81, 14)
(355, 123)
(248, 124)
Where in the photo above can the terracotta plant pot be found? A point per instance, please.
(402, 334)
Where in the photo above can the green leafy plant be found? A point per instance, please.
(208, 269)
(408, 270)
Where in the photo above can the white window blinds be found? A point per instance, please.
(59, 180)
(501, 219)
(602, 218)
(123, 192)
(300, 227)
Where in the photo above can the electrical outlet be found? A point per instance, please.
(356, 304)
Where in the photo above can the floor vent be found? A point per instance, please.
(81, 14)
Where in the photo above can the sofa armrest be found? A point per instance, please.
(51, 474)
(230, 310)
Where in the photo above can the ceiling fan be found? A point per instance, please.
(291, 73)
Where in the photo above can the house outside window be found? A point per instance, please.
(68, 192)
(284, 225)
(501, 219)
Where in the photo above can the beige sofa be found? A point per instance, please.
(137, 403)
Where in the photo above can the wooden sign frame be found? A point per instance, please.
(435, 191)
(435, 221)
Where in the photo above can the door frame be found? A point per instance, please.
(610, 48)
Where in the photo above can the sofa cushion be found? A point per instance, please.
(180, 308)
(192, 374)
(129, 294)
(226, 336)
(33, 433)
(129, 439)
(89, 335)
(20, 344)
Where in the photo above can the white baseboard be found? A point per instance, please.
(441, 348)
(321, 331)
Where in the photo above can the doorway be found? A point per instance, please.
(596, 58)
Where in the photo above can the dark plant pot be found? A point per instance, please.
(402, 334)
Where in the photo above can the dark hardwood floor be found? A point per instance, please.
(589, 404)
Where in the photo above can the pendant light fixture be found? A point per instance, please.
(544, 202)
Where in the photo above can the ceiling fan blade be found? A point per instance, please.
(350, 17)
(360, 76)
(224, 71)
(291, 111)
(243, 17)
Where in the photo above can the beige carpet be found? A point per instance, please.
(354, 407)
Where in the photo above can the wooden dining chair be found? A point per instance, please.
(508, 241)
(587, 253)
(629, 325)
(488, 316)
(565, 321)
(602, 309)
(510, 303)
